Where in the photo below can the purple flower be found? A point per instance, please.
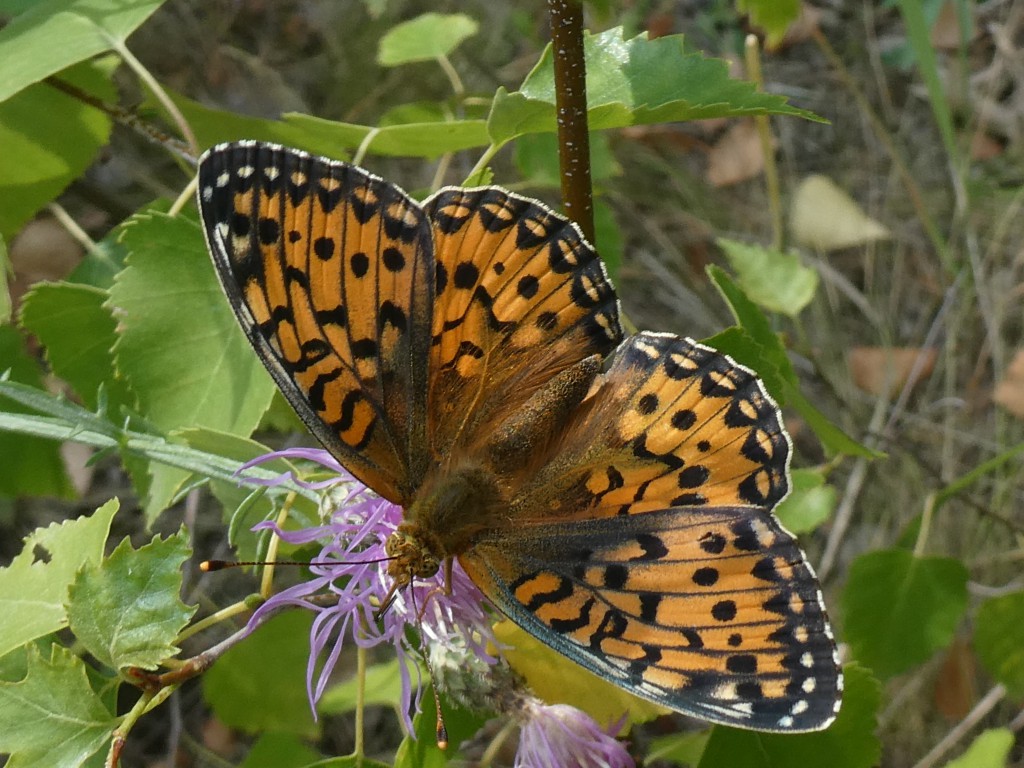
(352, 568)
(559, 735)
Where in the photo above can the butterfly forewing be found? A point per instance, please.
(646, 550)
(330, 272)
(520, 297)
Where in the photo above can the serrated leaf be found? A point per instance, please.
(990, 749)
(850, 742)
(557, 680)
(53, 717)
(777, 281)
(78, 334)
(260, 683)
(773, 16)
(425, 38)
(126, 610)
(900, 609)
(52, 35)
(997, 639)
(633, 82)
(810, 503)
(179, 344)
(33, 588)
(31, 466)
(49, 139)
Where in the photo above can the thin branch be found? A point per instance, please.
(571, 112)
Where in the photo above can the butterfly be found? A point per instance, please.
(463, 357)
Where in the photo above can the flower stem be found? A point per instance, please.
(571, 112)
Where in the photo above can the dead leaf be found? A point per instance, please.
(946, 32)
(985, 147)
(956, 690)
(1009, 392)
(737, 156)
(824, 217)
(882, 371)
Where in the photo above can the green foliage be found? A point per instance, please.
(810, 503)
(633, 82)
(991, 749)
(899, 608)
(53, 716)
(424, 38)
(44, 570)
(52, 35)
(774, 16)
(776, 281)
(421, 750)
(49, 139)
(247, 693)
(125, 610)
(997, 639)
(78, 333)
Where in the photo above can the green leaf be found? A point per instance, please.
(633, 82)
(991, 749)
(537, 159)
(760, 349)
(425, 38)
(997, 639)
(810, 502)
(383, 687)
(54, 34)
(49, 139)
(426, 140)
(259, 684)
(279, 750)
(180, 347)
(679, 748)
(126, 610)
(899, 609)
(330, 138)
(78, 334)
(34, 587)
(53, 717)
(777, 281)
(850, 742)
(31, 466)
(773, 16)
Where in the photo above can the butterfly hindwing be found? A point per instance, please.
(710, 612)
(330, 272)
(521, 296)
(646, 549)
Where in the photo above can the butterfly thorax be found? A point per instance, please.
(443, 521)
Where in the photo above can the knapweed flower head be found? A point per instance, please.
(560, 736)
(352, 568)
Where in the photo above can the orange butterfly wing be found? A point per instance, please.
(521, 297)
(330, 271)
(647, 552)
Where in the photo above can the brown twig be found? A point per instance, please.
(571, 112)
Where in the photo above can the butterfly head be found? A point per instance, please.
(412, 552)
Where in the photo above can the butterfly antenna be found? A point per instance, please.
(440, 732)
